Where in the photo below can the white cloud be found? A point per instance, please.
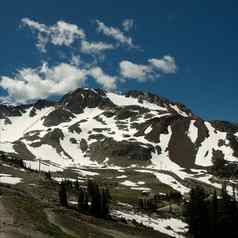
(166, 64)
(114, 33)
(95, 47)
(155, 67)
(34, 25)
(128, 24)
(64, 33)
(60, 34)
(134, 71)
(30, 84)
(107, 81)
(42, 82)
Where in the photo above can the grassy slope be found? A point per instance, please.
(35, 210)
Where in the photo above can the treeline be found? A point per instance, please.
(212, 215)
(92, 199)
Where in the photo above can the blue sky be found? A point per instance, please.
(200, 37)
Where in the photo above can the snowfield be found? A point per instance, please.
(20, 125)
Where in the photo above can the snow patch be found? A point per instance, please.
(7, 147)
(121, 100)
(171, 226)
(129, 183)
(148, 130)
(7, 178)
(121, 177)
(192, 131)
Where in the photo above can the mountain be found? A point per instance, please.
(134, 143)
(94, 127)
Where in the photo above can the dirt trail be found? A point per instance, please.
(113, 233)
(52, 219)
(108, 232)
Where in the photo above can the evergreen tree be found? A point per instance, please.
(76, 186)
(214, 214)
(83, 200)
(63, 194)
(48, 175)
(22, 164)
(94, 193)
(197, 213)
(219, 163)
(228, 215)
(100, 200)
(105, 201)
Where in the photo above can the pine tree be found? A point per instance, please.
(94, 193)
(219, 163)
(105, 201)
(100, 200)
(228, 215)
(63, 194)
(83, 199)
(214, 214)
(197, 213)
(76, 186)
(80, 199)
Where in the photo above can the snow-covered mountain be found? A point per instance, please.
(97, 129)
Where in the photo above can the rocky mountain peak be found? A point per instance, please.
(81, 98)
(160, 101)
(42, 103)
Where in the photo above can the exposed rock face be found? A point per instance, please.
(51, 138)
(181, 149)
(75, 128)
(82, 98)
(121, 153)
(17, 111)
(11, 111)
(7, 121)
(163, 102)
(159, 126)
(225, 126)
(57, 117)
(233, 143)
(41, 104)
(22, 151)
(202, 132)
(83, 145)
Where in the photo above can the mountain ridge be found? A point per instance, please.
(93, 128)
